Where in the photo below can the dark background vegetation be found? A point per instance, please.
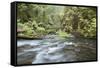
(36, 21)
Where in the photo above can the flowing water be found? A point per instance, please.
(52, 49)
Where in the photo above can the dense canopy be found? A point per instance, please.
(35, 20)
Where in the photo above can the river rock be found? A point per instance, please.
(24, 47)
(26, 58)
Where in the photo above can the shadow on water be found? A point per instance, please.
(55, 49)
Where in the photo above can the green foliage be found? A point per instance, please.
(62, 34)
(39, 20)
(90, 29)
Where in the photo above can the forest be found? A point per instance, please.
(36, 21)
(55, 33)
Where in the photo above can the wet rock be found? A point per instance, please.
(26, 58)
(23, 47)
(50, 36)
